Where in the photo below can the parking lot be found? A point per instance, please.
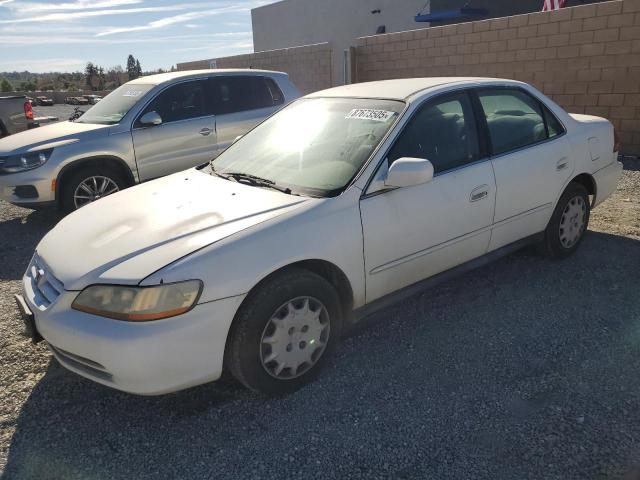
(526, 368)
(63, 112)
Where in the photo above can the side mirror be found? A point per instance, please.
(407, 172)
(150, 119)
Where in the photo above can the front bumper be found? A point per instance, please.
(146, 358)
(606, 181)
(33, 187)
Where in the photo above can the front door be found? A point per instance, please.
(186, 137)
(416, 232)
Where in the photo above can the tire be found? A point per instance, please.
(254, 337)
(568, 224)
(71, 186)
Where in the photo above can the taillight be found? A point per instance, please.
(28, 110)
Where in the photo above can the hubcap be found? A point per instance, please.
(92, 189)
(573, 221)
(295, 338)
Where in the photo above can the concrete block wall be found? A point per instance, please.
(309, 66)
(586, 58)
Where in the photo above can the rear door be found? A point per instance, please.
(240, 102)
(185, 138)
(531, 159)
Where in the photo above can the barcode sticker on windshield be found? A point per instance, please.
(370, 114)
(132, 93)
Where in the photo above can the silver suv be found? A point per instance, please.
(147, 128)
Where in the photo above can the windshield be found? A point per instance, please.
(114, 106)
(314, 146)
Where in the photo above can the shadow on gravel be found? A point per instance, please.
(631, 164)
(525, 368)
(19, 237)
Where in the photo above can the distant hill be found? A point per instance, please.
(30, 81)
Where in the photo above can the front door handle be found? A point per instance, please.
(479, 193)
(206, 131)
(562, 164)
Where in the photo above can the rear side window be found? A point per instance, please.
(179, 102)
(443, 132)
(230, 94)
(514, 118)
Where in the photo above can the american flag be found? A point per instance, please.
(553, 5)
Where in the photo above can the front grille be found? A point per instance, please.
(44, 286)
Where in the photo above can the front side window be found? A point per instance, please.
(514, 119)
(116, 105)
(182, 101)
(231, 94)
(443, 132)
(314, 146)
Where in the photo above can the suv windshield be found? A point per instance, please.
(314, 146)
(114, 106)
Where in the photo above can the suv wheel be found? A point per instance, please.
(87, 185)
(568, 223)
(285, 332)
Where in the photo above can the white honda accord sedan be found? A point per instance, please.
(345, 200)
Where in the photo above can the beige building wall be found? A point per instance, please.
(587, 58)
(339, 22)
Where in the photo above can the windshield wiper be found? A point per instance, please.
(254, 180)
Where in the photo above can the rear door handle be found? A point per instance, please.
(561, 164)
(479, 193)
(206, 131)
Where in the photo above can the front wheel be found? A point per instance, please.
(87, 185)
(285, 332)
(568, 223)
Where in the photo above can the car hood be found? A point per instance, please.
(125, 237)
(48, 136)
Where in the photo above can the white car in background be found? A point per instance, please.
(343, 201)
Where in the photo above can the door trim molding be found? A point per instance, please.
(418, 287)
(453, 241)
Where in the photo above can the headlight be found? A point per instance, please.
(139, 304)
(24, 161)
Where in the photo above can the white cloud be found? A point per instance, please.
(48, 65)
(4, 2)
(26, 8)
(165, 22)
(215, 50)
(68, 16)
(26, 40)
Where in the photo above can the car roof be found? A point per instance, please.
(403, 89)
(160, 78)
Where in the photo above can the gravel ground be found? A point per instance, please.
(526, 368)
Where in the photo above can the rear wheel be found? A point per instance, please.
(87, 185)
(285, 332)
(568, 223)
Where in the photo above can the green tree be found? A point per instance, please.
(91, 76)
(5, 86)
(138, 69)
(132, 71)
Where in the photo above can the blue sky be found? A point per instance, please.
(63, 35)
